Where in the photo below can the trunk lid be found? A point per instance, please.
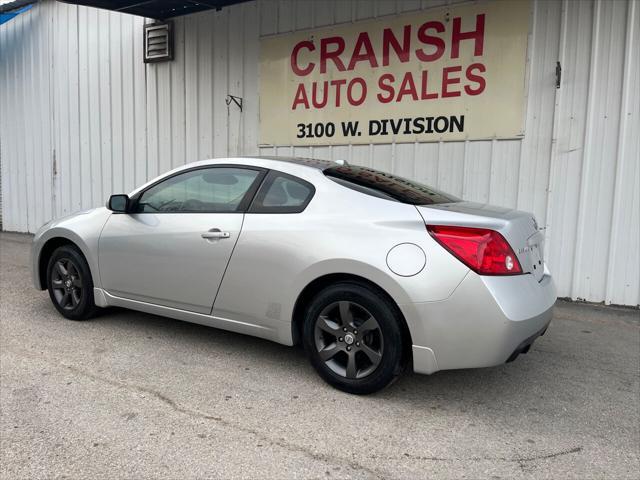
(519, 228)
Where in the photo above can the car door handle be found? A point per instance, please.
(215, 233)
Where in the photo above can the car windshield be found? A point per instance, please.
(385, 185)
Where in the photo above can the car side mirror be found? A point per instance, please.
(118, 203)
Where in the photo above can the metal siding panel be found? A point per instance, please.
(36, 115)
(404, 159)
(303, 14)
(251, 71)
(6, 145)
(48, 145)
(385, 7)
(15, 175)
(94, 106)
(205, 83)
(191, 76)
(234, 59)
(356, 154)
(176, 122)
(268, 17)
(426, 163)
(127, 86)
(28, 113)
(286, 16)
(623, 281)
(536, 145)
(114, 122)
(61, 74)
(117, 130)
(141, 168)
(566, 163)
(105, 107)
(20, 120)
(408, 6)
(450, 167)
(382, 157)
(323, 13)
(503, 181)
(72, 121)
(3, 100)
(597, 177)
(165, 135)
(84, 99)
(435, 3)
(153, 143)
(364, 9)
(343, 11)
(477, 176)
(220, 87)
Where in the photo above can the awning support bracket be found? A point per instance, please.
(234, 99)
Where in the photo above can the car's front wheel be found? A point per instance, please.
(70, 284)
(353, 337)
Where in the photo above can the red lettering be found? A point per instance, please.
(333, 55)
(477, 35)
(385, 83)
(407, 87)
(294, 58)
(314, 94)
(368, 54)
(447, 81)
(424, 94)
(482, 83)
(363, 91)
(300, 98)
(338, 84)
(436, 42)
(389, 41)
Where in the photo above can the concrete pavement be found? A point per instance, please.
(130, 395)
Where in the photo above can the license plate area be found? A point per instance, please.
(535, 245)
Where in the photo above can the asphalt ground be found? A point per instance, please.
(131, 395)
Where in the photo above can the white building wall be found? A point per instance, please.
(81, 117)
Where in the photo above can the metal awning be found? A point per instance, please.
(13, 5)
(158, 9)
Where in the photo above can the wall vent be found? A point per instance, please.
(158, 42)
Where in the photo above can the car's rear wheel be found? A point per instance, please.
(353, 337)
(70, 284)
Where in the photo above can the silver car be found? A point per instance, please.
(369, 271)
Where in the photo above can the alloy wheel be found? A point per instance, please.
(66, 283)
(348, 339)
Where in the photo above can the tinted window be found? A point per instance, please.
(203, 190)
(384, 185)
(282, 193)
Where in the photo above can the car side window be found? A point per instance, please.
(282, 193)
(204, 190)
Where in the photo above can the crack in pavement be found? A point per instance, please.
(520, 460)
(331, 460)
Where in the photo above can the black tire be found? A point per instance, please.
(70, 284)
(383, 345)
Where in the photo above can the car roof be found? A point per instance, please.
(306, 162)
(263, 161)
(255, 160)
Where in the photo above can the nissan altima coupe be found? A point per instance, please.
(371, 272)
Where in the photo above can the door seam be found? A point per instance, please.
(227, 265)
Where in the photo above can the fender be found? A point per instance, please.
(82, 229)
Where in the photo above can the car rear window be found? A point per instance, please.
(282, 193)
(384, 185)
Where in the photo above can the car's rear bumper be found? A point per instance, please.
(486, 321)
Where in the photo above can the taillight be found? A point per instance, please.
(482, 250)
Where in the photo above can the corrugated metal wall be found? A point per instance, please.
(81, 116)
